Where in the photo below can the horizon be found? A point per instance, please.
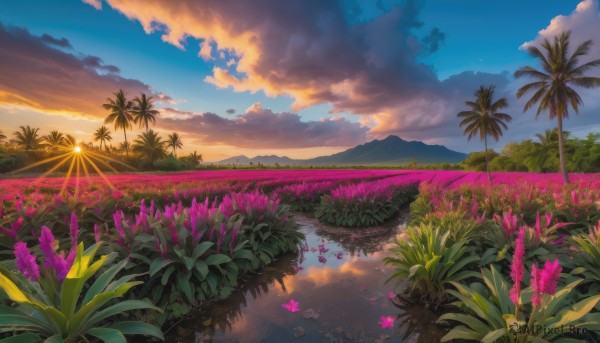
(287, 87)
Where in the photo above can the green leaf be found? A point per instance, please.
(122, 306)
(165, 277)
(217, 259)
(158, 264)
(201, 248)
(103, 280)
(202, 269)
(183, 282)
(494, 336)
(462, 333)
(138, 328)
(107, 335)
(576, 312)
(23, 338)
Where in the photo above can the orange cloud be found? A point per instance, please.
(39, 72)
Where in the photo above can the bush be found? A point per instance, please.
(429, 261)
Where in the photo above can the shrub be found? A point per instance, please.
(55, 307)
(429, 261)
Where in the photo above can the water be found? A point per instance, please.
(341, 297)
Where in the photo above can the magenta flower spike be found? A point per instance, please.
(549, 276)
(516, 268)
(536, 283)
(74, 229)
(26, 262)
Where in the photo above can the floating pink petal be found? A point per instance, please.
(386, 322)
(322, 259)
(292, 306)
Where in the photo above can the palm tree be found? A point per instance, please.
(174, 142)
(27, 138)
(150, 145)
(120, 114)
(2, 136)
(143, 111)
(124, 146)
(70, 141)
(103, 135)
(553, 84)
(484, 119)
(55, 139)
(195, 157)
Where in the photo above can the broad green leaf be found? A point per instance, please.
(107, 335)
(23, 338)
(138, 328)
(158, 264)
(494, 336)
(217, 259)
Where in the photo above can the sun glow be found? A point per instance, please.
(80, 162)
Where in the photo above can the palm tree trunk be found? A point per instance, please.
(487, 163)
(561, 151)
(126, 145)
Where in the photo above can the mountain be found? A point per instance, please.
(392, 150)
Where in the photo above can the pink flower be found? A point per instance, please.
(550, 276)
(74, 229)
(322, 249)
(386, 322)
(339, 255)
(391, 295)
(537, 285)
(97, 233)
(322, 259)
(26, 262)
(292, 306)
(516, 268)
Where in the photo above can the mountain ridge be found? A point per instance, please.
(391, 150)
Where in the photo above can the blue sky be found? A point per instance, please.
(478, 36)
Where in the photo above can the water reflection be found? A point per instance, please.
(338, 282)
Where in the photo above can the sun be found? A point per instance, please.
(77, 149)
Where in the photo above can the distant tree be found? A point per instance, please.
(2, 136)
(143, 111)
(102, 135)
(194, 156)
(483, 118)
(124, 147)
(55, 139)
(174, 142)
(553, 84)
(27, 138)
(477, 161)
(70, 141)
(150, 146)
(120, 114)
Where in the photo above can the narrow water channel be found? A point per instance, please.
(338, 282)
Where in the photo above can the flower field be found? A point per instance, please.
(495, 260)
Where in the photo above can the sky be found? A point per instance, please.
(287, 77)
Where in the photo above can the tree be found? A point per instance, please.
(102, 135)
(27, 138)
(552, 88)
(143, 111)
(120, 114)
(174, 142)
(150, 146)
(124, 146)
(2, 136)
(70, 141)
(483, 118)
(194, 156)
(55, 139)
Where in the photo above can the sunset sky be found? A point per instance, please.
(300, 78)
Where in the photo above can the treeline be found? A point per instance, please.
(541, 155)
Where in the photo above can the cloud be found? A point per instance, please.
(261, 128)
(314, 51)
(584, 24)
(37, 73)
(97, 4)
